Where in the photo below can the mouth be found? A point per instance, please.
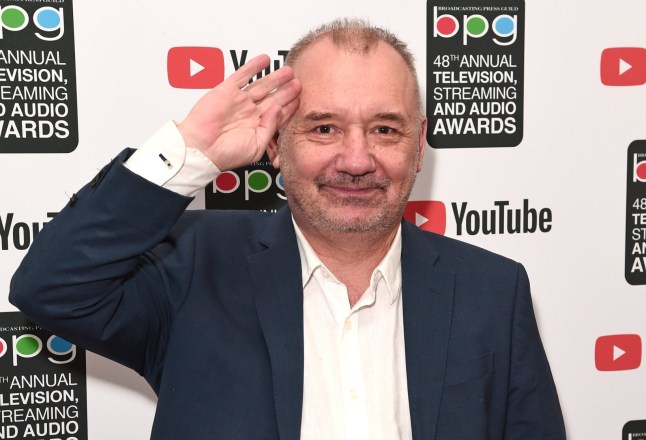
(353, 189)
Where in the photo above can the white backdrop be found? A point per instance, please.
(572, 160)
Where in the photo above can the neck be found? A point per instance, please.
(350, 256)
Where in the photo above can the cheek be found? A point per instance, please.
(400, 168)
(307, 160)
(296, 167)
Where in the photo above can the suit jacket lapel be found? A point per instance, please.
(276, 277)
(427, 294)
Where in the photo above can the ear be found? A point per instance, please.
(273, 151)
(422, 143)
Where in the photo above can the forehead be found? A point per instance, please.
(340, 80)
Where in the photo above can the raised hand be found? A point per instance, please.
(233, 122)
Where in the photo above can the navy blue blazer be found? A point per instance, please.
(207, 306)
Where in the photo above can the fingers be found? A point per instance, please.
(282, 96)
(274, 118)
(268, 124)
(247, 71)
(275, 96)
(262, 87)
(287, 112)
(259, 89)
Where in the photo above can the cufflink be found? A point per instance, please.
(166, 161)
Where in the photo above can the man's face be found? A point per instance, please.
(350, 153)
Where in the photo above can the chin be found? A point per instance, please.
(377, 222)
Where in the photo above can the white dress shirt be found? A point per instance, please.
(355, 368)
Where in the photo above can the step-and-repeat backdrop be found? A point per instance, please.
(537, 150)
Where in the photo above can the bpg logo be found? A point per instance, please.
(476, 26)
(639, 167)
(634, 430)
(255, 181)
(47, 19)
(29, 346)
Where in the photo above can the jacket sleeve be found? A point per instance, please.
(89, 276)
(533, 409)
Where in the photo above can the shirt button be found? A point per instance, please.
(348, 325)
(354, 394)
(326, 274)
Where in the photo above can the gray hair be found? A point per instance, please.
(358, 35)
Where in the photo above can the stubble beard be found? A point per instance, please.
(383, 217)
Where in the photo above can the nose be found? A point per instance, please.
(356, 156)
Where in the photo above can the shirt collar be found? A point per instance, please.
(389, 268)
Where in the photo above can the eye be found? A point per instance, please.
(385, 130)
(324, 129)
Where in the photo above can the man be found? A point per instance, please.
(331, 319)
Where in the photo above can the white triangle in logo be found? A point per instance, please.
(624, 66)
(617, 352)
(195, 68)
(420, 219)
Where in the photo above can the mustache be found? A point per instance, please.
(343, 180)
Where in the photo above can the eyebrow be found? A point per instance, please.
(392, 116)
(319, 116)
(386, 116)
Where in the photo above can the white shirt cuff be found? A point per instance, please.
(166, 161)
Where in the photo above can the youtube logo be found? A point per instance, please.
(618, 352)
(427, 215)
(623, 66)
(195, 67)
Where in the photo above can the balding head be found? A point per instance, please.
(357, 36)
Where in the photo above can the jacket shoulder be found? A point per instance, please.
(457, 256)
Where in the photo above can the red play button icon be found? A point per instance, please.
(623, 66)
(429, 215)
(195, 67)
(618, 352)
